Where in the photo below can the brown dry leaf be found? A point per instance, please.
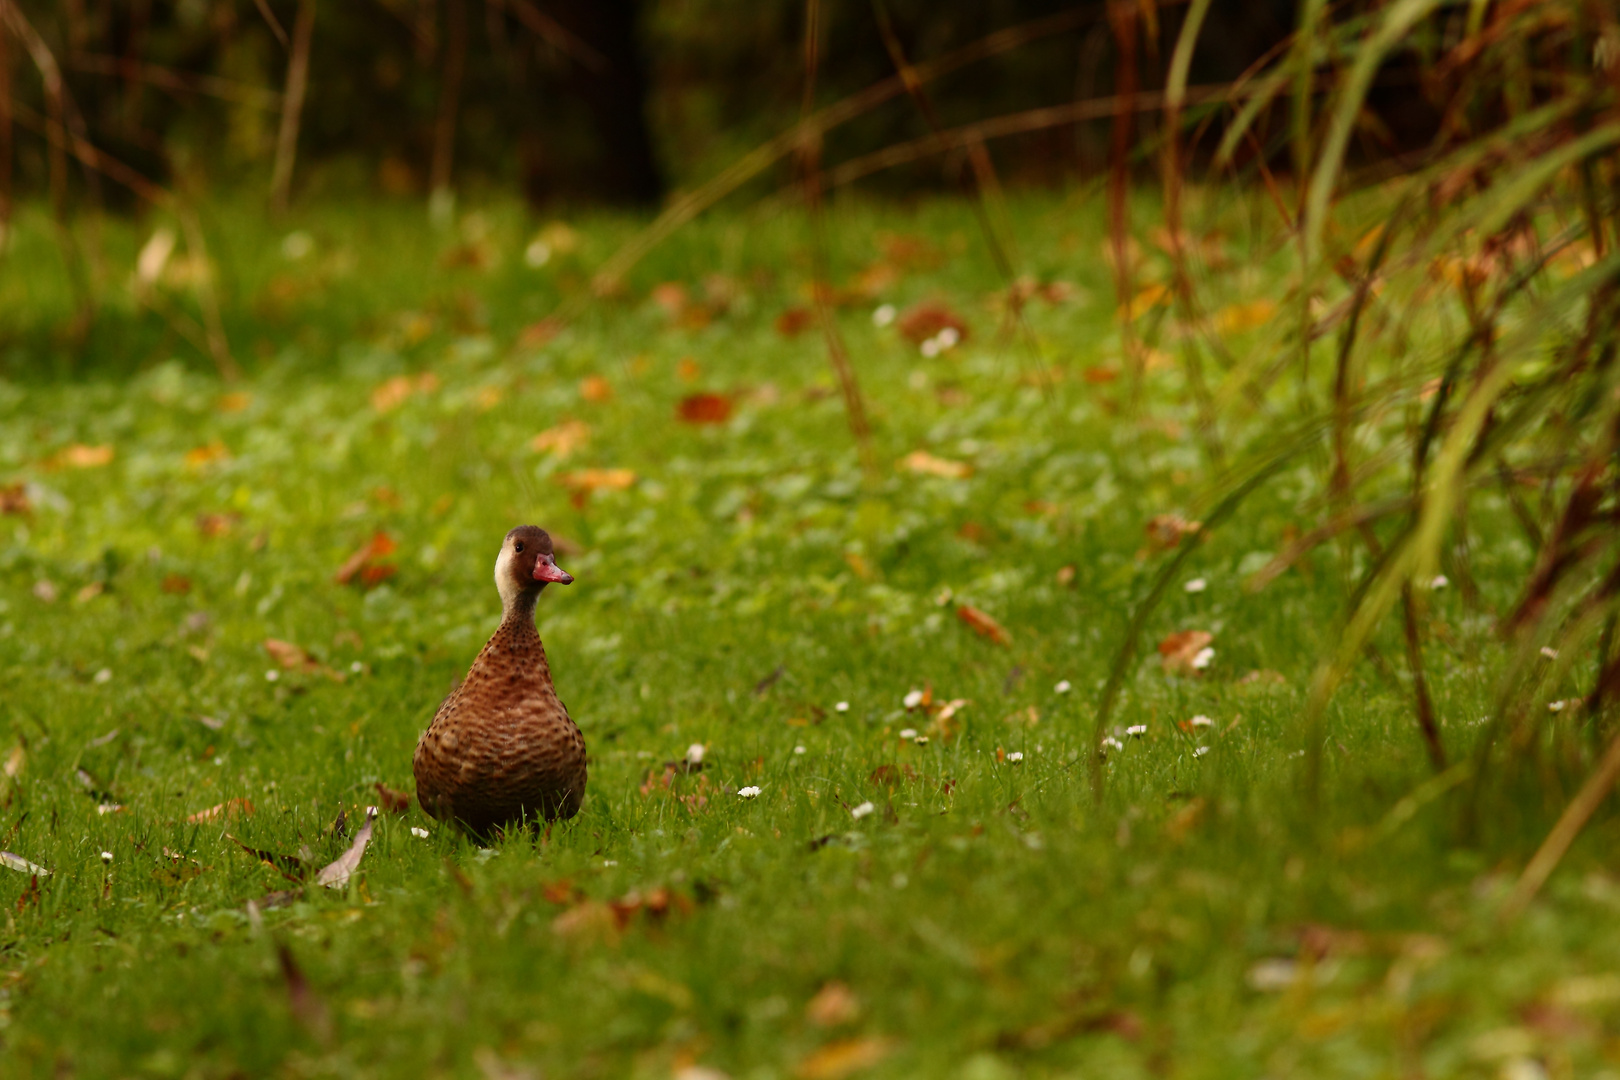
(1179, 651)
(199, 456)
(561, 891)
(834, 1004)
(337, 873)
(839, 1059)
(14, 499)
(1186, 819)
(306, 1006)
(1166, 531)
(212, 525)
(80, 456)
(561, 441)
(595, 388)
(234, 402)
(293, 658)
(380, 546)
(1247, 316)
(228, 808)
(394, 392)
(875, 280)
(704, 409)
(1100, 376)
(921, 461)
(583, 482)
(983, 624)
(793, 322)
(176, 584)
(15, 762)
(923, 321)
(1065, 574)
(395, 802)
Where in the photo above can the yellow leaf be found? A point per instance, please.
(80, 456)
(561, 441)
(921, 461)
(839, 1059)
(1241, 317)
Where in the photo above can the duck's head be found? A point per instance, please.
(527, 564)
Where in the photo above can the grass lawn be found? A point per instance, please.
(928, 904)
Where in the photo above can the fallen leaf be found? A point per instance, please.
(291, 657)
(539, 333)
(921, 461)
(793, 322)
(1179, 651)
(80, 456)
(1263, 677)
(336, 875)
(1147, 298)
(396, 391)
(562, 440)
(176, 584)
(591, 920)
(704, 409)
(921, 322)
(14, 499)
(687, 369)
(561, 891)
(1240, 317)
(983, 625)
(21, 865)
(15, 761)
(214, 525)
(834, 1004)
(199, 456)
(585, 481)
(215, 813)
(839, 1059)
(1166, 531)
(595, 388)
(307, 1008)
(234, 402)
(671, 296)
(380, 546)
(1100, 376)
(290, 867)
(395, 802)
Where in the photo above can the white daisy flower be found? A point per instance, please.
(1137, 730)
(749, 792)
(1113, 743)
(1062, 687)
(1549, 652)
(798, 749)
(842, 706)
(272, 675)
(1201, 751)
(908, 733)
(913, 699)
(1015, 757)
(106, 856)
(419, 833)
(862, 810)
(883, 315)
(1203, 658)
(694, 754)
(1440, 582)
(1201, 721)
(1196, 585)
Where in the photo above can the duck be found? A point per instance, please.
(502, 749)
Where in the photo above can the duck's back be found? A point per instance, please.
(501, 747)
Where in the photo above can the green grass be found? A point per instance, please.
(988, 917)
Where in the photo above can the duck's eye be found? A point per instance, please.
(518, 546)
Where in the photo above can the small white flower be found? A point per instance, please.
(1201, 751)
(1062, 687)
(1201, 721)
(1197, 584)
(883, 315)
(842, 706)
(749, 792)
(422, 833)
(1203, 658)
(862, 810)
(694, 754)
(295, 245)
(1015, 757)
(930, 348)
(1440, 582)
(104, 675)
(610, 862)
(357, 667)
(106, 856)
(1137, 730)
(948, 338)
(1556, 706)
(272, 675)
(798, 749)
(921, 740)
(1549, 652)
(537, 254)
(908, 733)
(913, 699)
(1113, 743)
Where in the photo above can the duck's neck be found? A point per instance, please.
(517, 617)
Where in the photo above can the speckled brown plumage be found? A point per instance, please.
(502, 748)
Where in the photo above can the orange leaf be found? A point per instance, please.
(1145, 301)
(377, 573)
(1182, 651)
(224, 809)
(834, 1004)
(537, 334)
(1241, 317)
(212, 525)
(983, 625)
(583, 482)
(687, 369)
(290, 656)
(199, 456)
(921, 461)
(704, 409)
(379, 546)
(671, 296)
(394, 392)
(839, 1059)
(235, 401)
(562, 440)
(1166, 531)
(595, 388)
(176, 584)
(14, 499)
(80, 456)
